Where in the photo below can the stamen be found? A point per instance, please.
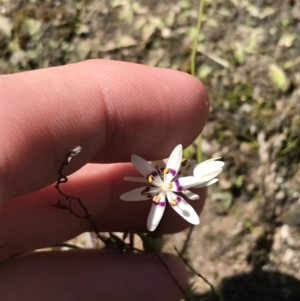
(166, 170)
(156, 199)
(146, 193)
(174, 202)
(183, 163)
(152, 176)
(170, 186)
(150, 179)
(188, 167)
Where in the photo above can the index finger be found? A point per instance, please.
(112, 109)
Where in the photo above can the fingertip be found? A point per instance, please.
(177, 109)
(93, 274)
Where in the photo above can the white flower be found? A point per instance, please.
(169, 180)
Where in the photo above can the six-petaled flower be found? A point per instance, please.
(168, 181)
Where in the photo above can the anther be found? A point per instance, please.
(166, 170)
(150, 179)
(146, 193)
(156, 199)
(174, 202)
(170, 186)
(188, 167)
(183, 163)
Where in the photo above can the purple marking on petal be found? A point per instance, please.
(154, 174)
(178, 198)
(162, 204)
(178, 186)
(145, 191)
(172, 172)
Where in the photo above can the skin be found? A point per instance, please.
(111, 109)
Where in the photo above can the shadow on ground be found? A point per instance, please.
(256, 286)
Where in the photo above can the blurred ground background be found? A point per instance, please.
(249, 58)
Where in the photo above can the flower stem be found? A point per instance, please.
(198, 32)
(193, 72)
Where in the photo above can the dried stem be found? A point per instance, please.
(196, 273)
(112, 241)
(62, 179)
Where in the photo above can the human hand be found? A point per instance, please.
(111, 109)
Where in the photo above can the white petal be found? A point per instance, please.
(184, 209)
(185, 183)
(212, 159)
(136, 194)
(209, 170)
(192, 196)
(173, 164)
(146, 169)
(156, 213)
(142, 165)
(158, 163)
(159, 166)
(207, 183)
(186, 168)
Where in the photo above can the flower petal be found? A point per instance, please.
(212, 159)
(192, 196)
(185, 183)
(186, 168)
(207, 183)
(173, 164)
(183, 208)
(159, 166)
(138, 194)
(156, 213)
(146, 169)
(208, 170)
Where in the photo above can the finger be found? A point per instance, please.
(92, 275)
(112, 109)
(30, 222)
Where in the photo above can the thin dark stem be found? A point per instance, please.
(171, 275)
(112, 241)
(8, 259)
(62, 179)
(186, 242)
(196, 273)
